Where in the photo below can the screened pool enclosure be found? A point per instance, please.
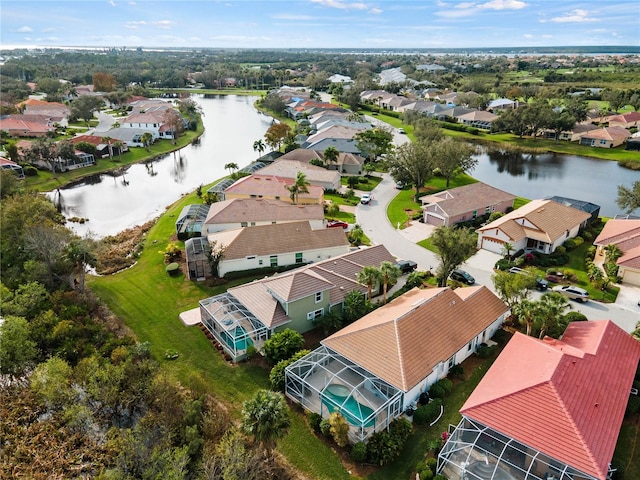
(324, 381)
(235, 327)
(476, 452)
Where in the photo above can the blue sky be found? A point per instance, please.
(319, 23)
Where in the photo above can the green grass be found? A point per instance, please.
(372, 182)
(626, 457)
(340, 200)
(576, 264)
(426, 243)
(149, 301)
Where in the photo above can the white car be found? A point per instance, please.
(574, 293)
(365, 199)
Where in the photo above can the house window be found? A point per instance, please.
(472, 345)
(273, 260)
(253, 224)
(475, 214)
(566, 234)
(313, 316)
(318, 297)
(243, 224)
(603, 142)
(452, 362)
(260, 262)
(299, 257)
(277, 197)
(487, 210)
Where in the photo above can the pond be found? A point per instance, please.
(114, 203)
(544, 175)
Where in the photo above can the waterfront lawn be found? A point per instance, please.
(149, 301)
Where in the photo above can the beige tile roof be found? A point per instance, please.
(403, 341)
(290, 168)
(305, 155)
(623, 233)
(270, 186)
(468, 198)
(151, 117)
(551, 220)
(479, 115)
(237, 210)
(608, 133)
(256, 296)
(278, 238)
(335, 131)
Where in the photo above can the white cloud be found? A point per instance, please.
(503, 5)
(134, 25)
(575, 16)
(466, 5)
(112, 3)
(527, 35)
(289, 16)
(341, 5)
(164, 24)
(457, 13)
(25, 29)
(375, 11)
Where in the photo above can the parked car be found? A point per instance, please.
(401, 130)
(365, 198)
(337, 223)
(574, 293)
(462, 277)
(406, 266)
(541, 283)
(400, 185)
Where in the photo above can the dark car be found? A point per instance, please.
(406, 266)
(541, 283)
(462, 277)
(336, 224)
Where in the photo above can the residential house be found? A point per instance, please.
(625, 234)
(540, 225)
(464, 204)
(18, 126)
(251, 212)
(337, 78)
(333, 132)
(191, 220)
(478, 119)
(625, 120)
(277, 245)
(588, 207)
(329, 180)
(56, 112)
(501, 104)
(574, 134)
(104, 148)
(608, 137)
(561, 420)
(132, 137)
(273, 188)
(147, 122)
(6, 164)
(452, 113)
(249, 314)
(344, 145)
(374, 369)
(346, 163)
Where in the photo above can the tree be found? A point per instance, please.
(451, 156)
(333, 209)
(276, 135)
(147, 140)
(331, 155)
(507, 248)
(389, 273)
(374, 142)
(18, 351)
(299, 186)
(266, 418)
(454, 246)
(173, 120)
(355, 306)
(524, 313)
(616, 98)
(369, 276)
(356, 235)
(232, 167)
(612, 253)
(339, 429)
(512, 121)
(84, 106)
(282, 345)
(103, 82)
(79, 254)
(274, 103)
(258, 146)
(411, 164)
(51, 381)
(43, 150)
(513, 288)
(215, 254)
(549, 311)
(629, 198)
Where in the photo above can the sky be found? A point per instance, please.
(318, 23)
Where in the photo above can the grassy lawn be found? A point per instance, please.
(372, 182)
(576, 264)
(46, 181)
(149, 301)
(340, 200)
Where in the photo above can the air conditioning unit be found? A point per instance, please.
(634, 391)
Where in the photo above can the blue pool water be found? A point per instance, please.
(239, 338)
(354, 412)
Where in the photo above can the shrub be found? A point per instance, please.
(434, 445)
(436, 391)
(456, 371)
(426, 474)
(359, 452)
(591, 252)
(173, 268)
(385, 446)
(314, 420)
(325, 427)
(633, 406)
(277, 376)
(432, 463)
(446, 385)
(484, 351)
(30, 171)
(504, 264)
(251, 351)
(425, 414)
(440, 476)
(575, 317)
(339, 429)
(561, 250)
(282, 345)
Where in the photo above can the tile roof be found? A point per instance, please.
(403, 341)
(270, 186)
(237, 210)
(339, 271)
(630, 259)
(335, 131)
(625, 233)
(608, 133)
(550, 219)
(11, 125)
(151, 117)
(468, 197)
(478, 116)
(278, 238)
(571, 402)
(286, 168)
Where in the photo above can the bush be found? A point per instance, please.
(591, 253)
(561, 250)
(277, 376)
(385, 446)
(432, 463)
(339, 429)
(314, 420)
(30, 171)
(173, 268)
(436, 391)
(325, 427)
(359, 452)
(456, 371)
(426, 474)
(425, 414)
(282, 345)
(484, 351)
(446, 385)
(504, 264)
(575, 317)
(440, 476)
(633, 406)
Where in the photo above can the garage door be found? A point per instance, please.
(491, 245)
(631, 277)
(433, 220)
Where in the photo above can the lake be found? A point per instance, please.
(232, 124)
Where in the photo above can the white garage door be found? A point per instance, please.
(631, 277)
(491, 245)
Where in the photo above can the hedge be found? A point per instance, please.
(425, 414)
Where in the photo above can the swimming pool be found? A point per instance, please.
(338, 397)
(239, 338)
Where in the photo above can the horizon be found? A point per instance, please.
(319, 24)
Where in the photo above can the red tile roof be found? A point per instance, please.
(571, 402)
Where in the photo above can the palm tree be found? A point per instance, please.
(331, 155)
(369, 276)
(231, 167)
(549, 311)
(612, 253)
(108, 140)
(299, 186)
(147, 139)
(524, 312)
(259, 146)
(78, 254)
(118, 145)
(390, 274)
(266, 418)
(506, 249)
